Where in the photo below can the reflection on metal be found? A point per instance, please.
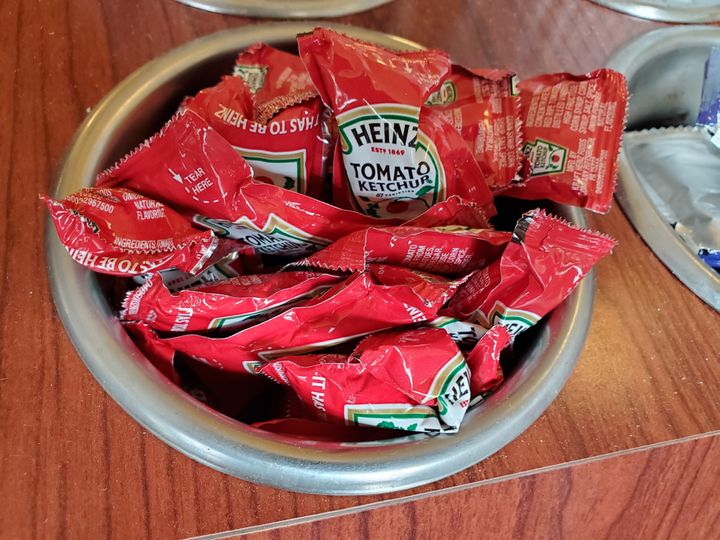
(665, 72)
(678, 11)
(286, 9)
(138, 106)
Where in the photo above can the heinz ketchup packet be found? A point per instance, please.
(117, 231)
(573, 125)
(389, 162)
(543, 263)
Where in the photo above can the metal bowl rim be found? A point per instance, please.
(631, 194)
(654, 12)
(285, 9)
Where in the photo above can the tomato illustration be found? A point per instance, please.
(397, 207)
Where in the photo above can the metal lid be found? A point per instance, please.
(678, 11)
(285, 9)
(664, 69)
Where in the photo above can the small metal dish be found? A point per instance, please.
(664, 69)
(136, 108)
(286, 9)
(677, 11)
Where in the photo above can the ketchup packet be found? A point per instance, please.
(484, 107)
(270, 73)
(289, 149)
(462, 173)
(380, 298)
(118, 232)
(544, 262)
(415, 380)
(441, 250)
(425, 364)
(230, 303)
(486, 373)
(573, 125)
(389, 163)
(233, 394)
(345, 393)
(187, 165)
(453, 211)
(276, 221)
(240, 261)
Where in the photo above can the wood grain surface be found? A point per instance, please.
(74, 465)
(664, 492)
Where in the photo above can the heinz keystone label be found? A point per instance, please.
(392, 168)
(287, 170)
(545, 157)
(254, 76)
(393, 416)
(277, 237)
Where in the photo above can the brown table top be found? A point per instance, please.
(73, 461)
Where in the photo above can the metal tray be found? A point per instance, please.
(286, 9)
(678, 11)
(664, 69)
(134, 109)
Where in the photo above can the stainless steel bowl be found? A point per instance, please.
(678, 11)
(285, 9)
(664, 69)
(133, 110)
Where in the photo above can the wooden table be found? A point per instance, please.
(629, 449)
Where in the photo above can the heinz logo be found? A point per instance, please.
(392, 168)
(384, 131)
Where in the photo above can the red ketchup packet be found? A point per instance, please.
(242, 260)
(463, 174)
(544, 262)
(425, 364)
(344, 392)
(270, 73)
(231, 303)
(187, 165)
(415, 380)
(448, 250)
(389, 163)
(484, 107)
(289, 149)
(118, 232)
(453, 211)
(381, 298)
(279, 222)
(486, 373)
(232, 394)
(573, 125)
(276, 221)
